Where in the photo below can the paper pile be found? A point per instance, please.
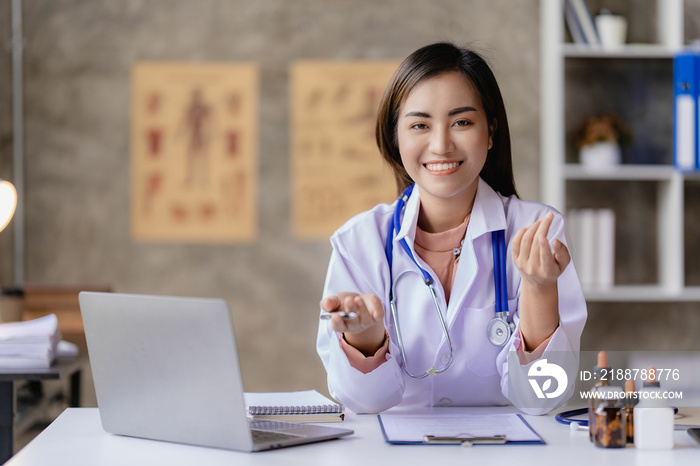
(31, 344)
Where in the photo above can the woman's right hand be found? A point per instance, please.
(366, 331)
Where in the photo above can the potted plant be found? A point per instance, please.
(600, 139)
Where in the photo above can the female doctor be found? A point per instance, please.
(426, 298)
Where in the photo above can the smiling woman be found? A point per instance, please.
(442, 128)
(444, 137)
(431, 62)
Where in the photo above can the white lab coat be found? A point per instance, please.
(479, 373)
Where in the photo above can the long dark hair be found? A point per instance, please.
(430, 61)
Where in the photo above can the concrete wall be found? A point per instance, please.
(78, 59)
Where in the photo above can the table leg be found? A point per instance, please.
(75, 380)
(7, 413)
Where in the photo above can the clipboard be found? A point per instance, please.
(457, 429)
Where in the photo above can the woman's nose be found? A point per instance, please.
(441, 142)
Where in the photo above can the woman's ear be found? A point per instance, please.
(492, 131)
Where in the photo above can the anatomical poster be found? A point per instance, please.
(337, 170)
(194, 152)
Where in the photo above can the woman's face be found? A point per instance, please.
(444, 136)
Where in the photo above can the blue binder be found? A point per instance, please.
(686, 66)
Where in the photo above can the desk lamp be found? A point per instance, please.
(8, 203)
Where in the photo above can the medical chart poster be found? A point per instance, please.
(337, 170)
(194, 152)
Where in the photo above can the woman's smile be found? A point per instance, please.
(442, 168)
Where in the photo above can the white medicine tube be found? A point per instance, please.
(653, 418)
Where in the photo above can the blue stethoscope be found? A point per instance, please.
(569, 418)
(499, 329)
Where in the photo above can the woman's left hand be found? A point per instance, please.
(539, 263)
(540, 267)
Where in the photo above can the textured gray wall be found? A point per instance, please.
(78, 59)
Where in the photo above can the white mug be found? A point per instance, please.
(612, 30)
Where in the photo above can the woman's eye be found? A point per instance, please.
(419, 126)
(462, 123)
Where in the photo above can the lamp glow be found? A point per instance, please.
(8, 203)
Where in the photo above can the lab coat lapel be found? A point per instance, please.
(410, 218)
(487, 215)
(408, 231)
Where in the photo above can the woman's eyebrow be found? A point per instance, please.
(453, 112)
(459, 110)
(417, 114)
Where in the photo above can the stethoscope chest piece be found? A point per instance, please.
(499, 330)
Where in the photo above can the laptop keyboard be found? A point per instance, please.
(266, 436)
(266, 424)
(266, 431)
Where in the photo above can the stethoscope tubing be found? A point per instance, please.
(500, 283)
(498, 240)
(565, 417)
(432, 370)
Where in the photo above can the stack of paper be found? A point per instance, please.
(31, 344)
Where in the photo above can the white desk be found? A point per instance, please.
(76, 438)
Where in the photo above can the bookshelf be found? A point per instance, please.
(558, 60)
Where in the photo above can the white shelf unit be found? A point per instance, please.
(556, 173)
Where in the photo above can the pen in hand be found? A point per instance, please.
(325, 315)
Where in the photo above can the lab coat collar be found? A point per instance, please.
(410, 216)
(488, 213)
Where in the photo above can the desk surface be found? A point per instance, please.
(76, 438)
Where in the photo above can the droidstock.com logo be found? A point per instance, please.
(544, 372)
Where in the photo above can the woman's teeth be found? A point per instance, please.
(436, 167)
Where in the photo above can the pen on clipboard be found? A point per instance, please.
(325, 315)
(465, 441)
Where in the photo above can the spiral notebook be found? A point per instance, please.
(300, 406)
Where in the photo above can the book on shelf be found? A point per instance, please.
(592, 233)
(574, 25)
(298, 406)
(581, 20)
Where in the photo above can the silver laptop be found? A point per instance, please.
(166, 368)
